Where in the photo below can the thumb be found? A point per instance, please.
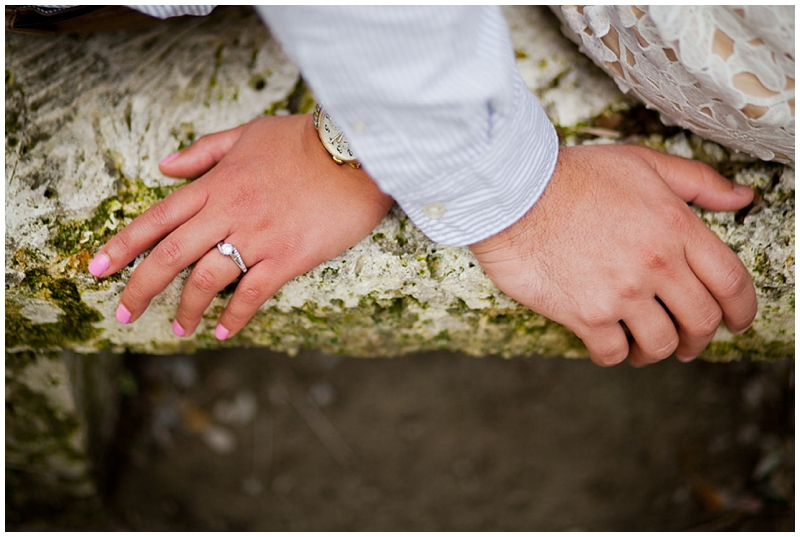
(698, 183)
(202, 155)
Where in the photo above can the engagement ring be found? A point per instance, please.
(228, 249)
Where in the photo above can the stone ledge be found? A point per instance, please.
(87, 120)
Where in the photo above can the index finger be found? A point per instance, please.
(148, 229)
(725, 277)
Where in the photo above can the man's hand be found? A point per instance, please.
(613, 241)
(267, 187)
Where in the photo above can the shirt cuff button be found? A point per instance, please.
(434, 210)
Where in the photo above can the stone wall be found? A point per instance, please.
(88, 119)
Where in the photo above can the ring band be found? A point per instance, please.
(229, 250)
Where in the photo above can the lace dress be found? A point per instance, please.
(725, 73)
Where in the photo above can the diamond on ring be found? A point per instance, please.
(229, 250)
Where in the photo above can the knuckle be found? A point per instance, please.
(234, 319)
(655, 260)
(608, 359)
(707, 325)
(135, 293)
(609, 353)
(751, 315)
(596, 315)
(168, 253)
(124, 245)
(252, 296)
(733, 282)
(681, 218)
(160, 215)
(288, 244)
(631, 291)
(664, 350)
(203, 280)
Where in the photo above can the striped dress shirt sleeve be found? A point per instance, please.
(432, 103)
(165, 12)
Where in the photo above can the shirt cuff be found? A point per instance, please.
(498, 187)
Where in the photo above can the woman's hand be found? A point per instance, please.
(612, 242)
(269, 188)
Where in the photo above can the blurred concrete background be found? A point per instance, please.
(252, 440)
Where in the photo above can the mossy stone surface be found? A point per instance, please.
(47, 467)
(88, 119)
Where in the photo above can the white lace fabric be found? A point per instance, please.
(723, 72)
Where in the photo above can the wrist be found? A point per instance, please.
(317, 154)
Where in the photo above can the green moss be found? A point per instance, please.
(133, 198)
(391, 326)
(459, 308)
(442, 337)
(28, 413)
(278, 105)
(128, 115)
(748, 346)
(433, 262)
(37, 433)
(299, 101)
(184, 133)
(75, 325)
(212, 81)
(329, 273)
(634, 122)
(12, 121)
(760, 262)
(17, 361)
(380, 326)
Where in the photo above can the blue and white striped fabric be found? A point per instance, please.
(431, 101)
(160, 12)
(165, 12)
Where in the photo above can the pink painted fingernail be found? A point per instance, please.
(99, 265)
(123, 315)
(169, 158)
(177, 329)
(741, 190)
(221, 333)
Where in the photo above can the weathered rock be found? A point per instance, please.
(88, 119)
(61, 417)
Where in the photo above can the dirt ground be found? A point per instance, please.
(250, 440)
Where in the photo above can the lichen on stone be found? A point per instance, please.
(44, 448)
(81, 162)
